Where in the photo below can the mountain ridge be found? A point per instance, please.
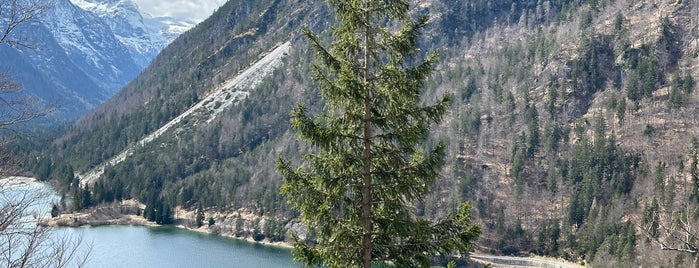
(83, 57)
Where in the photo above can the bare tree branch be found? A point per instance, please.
(14, 13)
(17, 108)
(7, 85)
(23, 242)
(673, 229)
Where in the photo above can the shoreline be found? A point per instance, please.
(205, 230)
(17, 180)
(91, 219)
(126, 213)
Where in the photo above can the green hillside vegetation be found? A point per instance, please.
(572, 128)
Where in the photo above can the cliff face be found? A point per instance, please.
(571, 129)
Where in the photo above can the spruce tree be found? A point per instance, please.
(368, 165)
(200, 216)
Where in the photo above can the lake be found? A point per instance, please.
(138, 246)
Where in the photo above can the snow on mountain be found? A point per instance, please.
(144, 35)
(91, 44)
(85, 51)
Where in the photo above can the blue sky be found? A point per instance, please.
(194, 10)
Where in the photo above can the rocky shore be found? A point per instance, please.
(16, 180)
(235, 224)
(87, 219)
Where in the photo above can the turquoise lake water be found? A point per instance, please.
(137, 246)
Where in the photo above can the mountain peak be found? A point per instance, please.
(87, 50)
(144, 37)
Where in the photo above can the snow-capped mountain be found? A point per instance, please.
(84, 51)
(144, 35)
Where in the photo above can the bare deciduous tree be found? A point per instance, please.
(16, 108)
(674, 226)
(23, 242)
(675, 230)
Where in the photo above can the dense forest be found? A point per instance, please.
(572, 130)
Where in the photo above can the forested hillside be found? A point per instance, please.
(573, 127)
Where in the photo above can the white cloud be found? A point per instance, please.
(195, 10)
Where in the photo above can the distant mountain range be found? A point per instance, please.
(82, 52)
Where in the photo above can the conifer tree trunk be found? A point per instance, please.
(366, 153)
